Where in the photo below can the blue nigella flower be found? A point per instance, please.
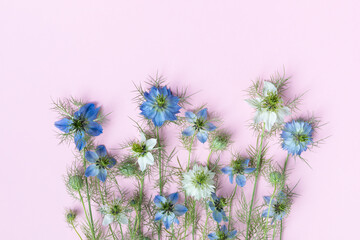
(200, 126)
(217, 207)
(81, 123)
(222, 234)
(168, 209)
(238, 167)
(296, 136)
(160, 105)
(101, 161)
(278, 207)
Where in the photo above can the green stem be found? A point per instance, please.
(283, 184)
(160, 173)
(82, 202)
(121, 231)
(103, 202)
(274, 231)
(258, 162)
(172, 231)
(194, 220)
(89, 203)
(76, 231)
(231, 204)
(267, 217)
(208, 159)
(140, 202)
(206, 221)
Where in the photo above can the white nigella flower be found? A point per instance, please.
(270, 108)
(142, 151)
(114, 212)
(199, 182)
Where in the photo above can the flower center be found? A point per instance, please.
(102, 162)
(199, 124)
(221, 235)
(237, 166)
(115, 210)
(219, 204)
(139, 148)
(167, 207)
(161, 101)
(279, 207)
(301, 138)
(79, 124)
(200, 178)
(271, 102)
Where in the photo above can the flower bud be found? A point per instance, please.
(275, 178)
(76, 182)
(70, 216)
(220, 141)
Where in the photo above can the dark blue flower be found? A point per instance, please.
(222, 234)
(296, 136)
(168, 210)
(238, 167)
(101, 161)
(200, 125)
(81, 123)
(160, 105)
(278, 207)
(217, 207)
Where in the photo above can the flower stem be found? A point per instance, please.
(208, 159)
(268, 212)
(76, 231)
(140, 202)
(160, 173)
(82, 202)
(258, 162)
(283, 184)
(231, 204)
(89, 203)
(194, 220)
(103, 202)
(274, 231)
(121, 231)
(206, 221)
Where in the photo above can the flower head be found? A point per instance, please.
(160, 105)
(222, 234)
(114, 212)
(220, 141)
(217, 207)
(101, 161)
(81, 124)
(296, 136)
(199, 182)
(278, 207)
(76, 182)
(270, 107)
(129, 167)
(238, 167)
(168, 210)
(70, 216)
(142, 150)
(200, 125)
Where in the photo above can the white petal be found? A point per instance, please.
(142, 137)
(150, 144)
(271, 119)
(142, 163)
(123, 219)
(149, 158)
(108, 219)
(268, 88)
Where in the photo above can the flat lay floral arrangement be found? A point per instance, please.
(186, 203)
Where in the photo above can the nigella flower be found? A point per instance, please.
(101, 160)
(217, 207)
(270, 108)
(297, 136)
(168, 210)
(200, 125)
(238, 167)
(114, 212)
(278, 207)
(199, 182)
(142, 151)
(160, 105)
(222, 234)
(81, 123)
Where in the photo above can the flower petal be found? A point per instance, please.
(249, 170)
(64, 125)
(122, 218)
(91, 112)
(202, 136)
(168, 220)
(150, 144)
(112, 162)
(189, 131)
(94, 129)
(173, 198)
(210, 127)
(159, 119)
(202, 113)
(227, 170)
(158, 216)
(213, 236)
(179, 210)
(79, 140)
(91, 156)
(158, 200)
(91, 171)
(101, 151)
(217, 216)
(269, 88)
(240, 180)
(232, 234)
(107, 219)
(190, 117)
(102, 174)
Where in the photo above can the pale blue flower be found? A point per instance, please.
(238, 168)
(101, 161)
(217, 207)
(297, 136)
(222, 234)
(278, 207)
(200, 125)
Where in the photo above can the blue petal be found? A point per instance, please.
(246, 163)
(94, 128)
(189, 131)
(101, 151)
(179, 209)
(91, 112)
(83, 110)
(159, 119)
(91, 156)
(170, 116)
(249, 170)
(227, 170)
(79, 140)
(202, 113)
(102, 175)
(210, 127)
(232, 234)
(158, 200)
(168, 220)
(267, 212)
(223, 229)
(202, 136)
(164, 91)
(64, 125)
(174, 197)
(225, 219)
(158, 216)
(91, 171)
(211, 205)
(214, 197)
(240, 180)
(213, 236)
(176, 220)
(112, 162)
(231, 178)
(148, 110)
(217, 216)
(190, 117)
(267, 199)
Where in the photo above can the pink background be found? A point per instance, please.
(95, 49)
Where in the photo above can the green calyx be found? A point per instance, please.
(275, 178)
(139, 148)
(280, 207)
(76, 182)
(161, 101)
(238, 166)
(220, 204)
(167, 207)
(115, 210)
(271, 102)
(220, 142)
(70, 217)
(221, 235)
(79, 124)
(102, 162)
(128, 168)
(301, 138)
(199, 124)
(200, 178)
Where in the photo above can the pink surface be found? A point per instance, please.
(95, 49)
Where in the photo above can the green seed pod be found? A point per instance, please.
(220, 141)
(76, 182)
(275, 178)
(128, 169)
(70, 217)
